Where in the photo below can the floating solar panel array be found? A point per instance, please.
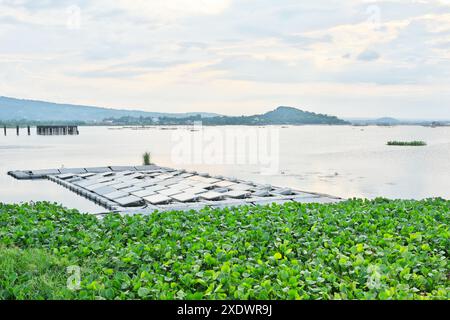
(149, 188)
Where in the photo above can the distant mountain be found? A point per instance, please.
(14, 109)
(387, 121)
(34, 111)
(279, 116)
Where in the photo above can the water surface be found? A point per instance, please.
(338, 160)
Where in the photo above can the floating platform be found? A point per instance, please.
(145, 189)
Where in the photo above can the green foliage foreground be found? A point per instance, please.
(352, 250)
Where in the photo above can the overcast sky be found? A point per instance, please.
(345, 57)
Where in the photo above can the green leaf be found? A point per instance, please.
(359, 247)
(143, 292)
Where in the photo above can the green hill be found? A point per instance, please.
(12, 109)
(279, 116)
(289, 115)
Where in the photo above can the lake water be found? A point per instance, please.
(343, 161)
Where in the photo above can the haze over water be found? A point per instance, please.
(343, 161)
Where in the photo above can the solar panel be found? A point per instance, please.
(185, 197)
(86, 175)
(195, 190)
(124, 185)
(157, 199)
(224, 184)
(211, 195)
(143, 193)
(261, 193)
(96, 186)
(203, 185)
(283, 192)
(242, 187)
(132, 189)
(155, 188)
(66, 176)
(211, 180)
(169, 192)
(129, 200)
(116, 195)
(146, 183)
(85, 183)
(105, 190)
(165, 176)
(180, 186)
(237, 194)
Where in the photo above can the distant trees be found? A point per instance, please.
(280, 116)
(24, 122)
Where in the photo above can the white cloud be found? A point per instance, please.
(178, 55)
(170, 10)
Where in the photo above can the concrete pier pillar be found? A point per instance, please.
(57, 130)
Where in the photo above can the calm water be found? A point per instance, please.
(343, 161)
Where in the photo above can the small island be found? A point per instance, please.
(279, 116)
(407, 143)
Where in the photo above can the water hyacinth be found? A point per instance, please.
(357, 249)
(407, 143)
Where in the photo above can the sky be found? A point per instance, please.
(349, 58)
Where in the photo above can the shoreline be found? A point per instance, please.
(34, 125)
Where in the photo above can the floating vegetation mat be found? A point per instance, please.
(355, 249)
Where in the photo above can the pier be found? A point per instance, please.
(57, 130)
(46, 130)
(145, 189)
(5, 132)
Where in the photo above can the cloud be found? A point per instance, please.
(106, 73)
(193, 54)
(368, 55)
(172, 10)
(130, 69)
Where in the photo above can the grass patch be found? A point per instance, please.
(32, 274)
(357, 249)
(407, 143)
